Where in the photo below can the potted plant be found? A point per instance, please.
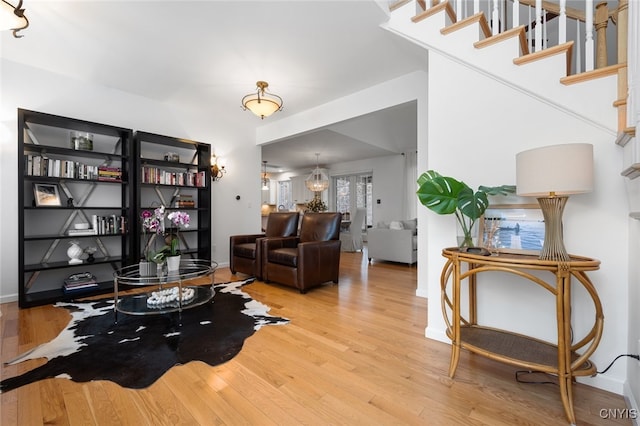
(153, 223)
(316, 204)
(446, 195)
(171, 251)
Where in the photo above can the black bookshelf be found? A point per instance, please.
(159, 160)
(51, 162)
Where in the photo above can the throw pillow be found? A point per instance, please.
(411, 224)
(396, 225)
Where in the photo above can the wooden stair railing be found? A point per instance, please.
(618, 16)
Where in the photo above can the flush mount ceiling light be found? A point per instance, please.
(12, 18)
(262, 103)
(317, 180)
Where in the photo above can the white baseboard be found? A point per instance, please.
(9, 298)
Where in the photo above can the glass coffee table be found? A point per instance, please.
(187, 287)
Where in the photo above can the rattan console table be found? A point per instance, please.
(560, 358)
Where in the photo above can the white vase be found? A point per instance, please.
(173, 263)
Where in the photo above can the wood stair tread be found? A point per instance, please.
(593, 74)
(478, 18)
(434, 10)
(513, 32)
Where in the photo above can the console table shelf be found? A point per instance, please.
(563, 358)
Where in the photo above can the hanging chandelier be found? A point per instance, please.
(265, 179)
(317, 181)
(262, 103)
(12, 18)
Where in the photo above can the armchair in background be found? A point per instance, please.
(396, 241)
(352, 238)
(308, 260)
(245, 251)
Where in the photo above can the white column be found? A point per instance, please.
(588, 31)
(538, 31)
(633, 61)
(495, 18)
(562, 23)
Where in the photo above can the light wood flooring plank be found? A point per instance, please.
(353, 353)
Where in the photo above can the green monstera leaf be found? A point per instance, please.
(446, 195)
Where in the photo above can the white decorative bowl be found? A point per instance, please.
(81, 226)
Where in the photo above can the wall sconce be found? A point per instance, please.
(12, 18)
(217, 168)
(265, 179)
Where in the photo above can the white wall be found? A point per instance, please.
(25, 87)
(476, 141)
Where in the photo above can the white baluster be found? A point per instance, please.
(459, 10)
(588, 30)
(545, 42)
(562, 23)
(538, 31)
(515, 12)
(530, 39)
(578, 48)
(495, 19)
(476, 6)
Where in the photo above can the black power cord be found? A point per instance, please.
(547, 382)
(616, 358)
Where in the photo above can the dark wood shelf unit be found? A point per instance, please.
(149, 149)
(43, 263)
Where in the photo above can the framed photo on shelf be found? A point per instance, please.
(513, 228)
(46, 194)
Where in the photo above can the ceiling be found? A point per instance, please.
(209, 54)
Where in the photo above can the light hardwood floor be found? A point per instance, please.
(353, 353)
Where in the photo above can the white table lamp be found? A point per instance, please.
(551, 174)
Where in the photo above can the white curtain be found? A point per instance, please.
(411, 176)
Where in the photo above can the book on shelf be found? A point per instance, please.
(79, 282)
(81, 232)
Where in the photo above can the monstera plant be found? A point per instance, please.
(446, 195)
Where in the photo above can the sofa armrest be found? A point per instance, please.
(396, 245)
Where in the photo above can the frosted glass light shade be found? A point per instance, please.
(557, 169)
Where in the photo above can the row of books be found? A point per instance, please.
(165, 177)
(103, 225)
(79, 283)
(184, 201)
(112, 174)
(37, 165)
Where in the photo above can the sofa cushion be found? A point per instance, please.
(284, 256)
(245, 250)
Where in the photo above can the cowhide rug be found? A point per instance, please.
(138, 350)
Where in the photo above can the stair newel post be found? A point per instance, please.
(562, 23)
(622, 26)
(602, 19)
(588, 31)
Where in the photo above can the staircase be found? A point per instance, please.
(504, 54)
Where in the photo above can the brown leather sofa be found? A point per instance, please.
(245, 251)
(308, 260)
